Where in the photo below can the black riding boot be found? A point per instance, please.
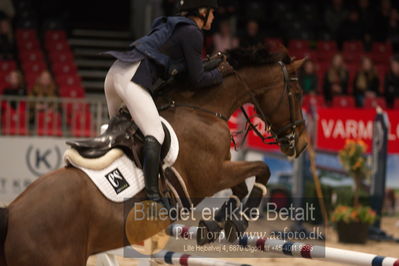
(151, 158)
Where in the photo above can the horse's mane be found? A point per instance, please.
(257, 55)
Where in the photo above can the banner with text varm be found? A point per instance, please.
(335, 125)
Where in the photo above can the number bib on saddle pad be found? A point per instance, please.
(114, 174)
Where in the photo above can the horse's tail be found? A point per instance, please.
(3, 233)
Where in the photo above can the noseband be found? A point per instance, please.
(277, 134)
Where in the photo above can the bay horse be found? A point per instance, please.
(62, 218)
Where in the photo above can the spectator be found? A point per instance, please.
(224, 39)
(252, 36)
(44, 86)
(366, 83)
(336, 79)
(16, 86)
(391, 86)
(308, 78)
(6, 40)
(382, 21)
(335, 15)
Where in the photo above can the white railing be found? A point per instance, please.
(63, 117)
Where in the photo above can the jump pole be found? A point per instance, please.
(175, 258)
(294, 249)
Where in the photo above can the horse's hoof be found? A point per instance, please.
(234, 229)
(208, 232)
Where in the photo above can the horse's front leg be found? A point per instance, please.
(210, 229)
(238, 172)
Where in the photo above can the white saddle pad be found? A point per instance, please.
(122, 179)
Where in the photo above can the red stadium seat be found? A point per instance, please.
(31, 56)
(353, 46)
(14, 121)
(68, 80)
(326, 50)
(33, 67)
(396, 104)
(57, 47)
(28, 45)
(7, 66)
(381, 52)
(313, 101)
(353, 57)
(26, 34)
(298, 45)
(61, 57)
(81, 123)
(48, 123)
(374, 102)
(55, 35)
(72, 92)
(381, 47)
(64, 69)
(327, 46)
(343, 101)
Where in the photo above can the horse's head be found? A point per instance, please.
(281, 109)
(272, 81)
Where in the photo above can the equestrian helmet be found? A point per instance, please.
(186, 5)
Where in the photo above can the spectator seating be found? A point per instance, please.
(5, 68)
(48, 123)
(313, 101)
(14, 121)
(343, 102)
(374, 102)
(326, 50)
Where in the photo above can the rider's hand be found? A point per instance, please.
(225, 68)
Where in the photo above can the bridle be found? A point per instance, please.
(289, 138)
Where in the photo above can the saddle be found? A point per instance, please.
(121, 133)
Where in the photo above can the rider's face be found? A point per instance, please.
(209, 22)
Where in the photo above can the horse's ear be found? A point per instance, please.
(297, 64)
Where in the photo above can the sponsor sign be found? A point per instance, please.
(23, 159)
(335, 126)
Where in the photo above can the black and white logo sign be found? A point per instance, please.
(117, 181)
(41, 160)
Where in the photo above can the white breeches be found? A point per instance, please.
(119, 89)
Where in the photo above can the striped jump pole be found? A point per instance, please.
(174, 258)
(294, 249)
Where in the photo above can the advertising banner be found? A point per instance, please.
(335, 126)
(23, 159)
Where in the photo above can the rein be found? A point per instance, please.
(173, 104)
(289, 138)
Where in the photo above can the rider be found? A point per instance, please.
(173, 46)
